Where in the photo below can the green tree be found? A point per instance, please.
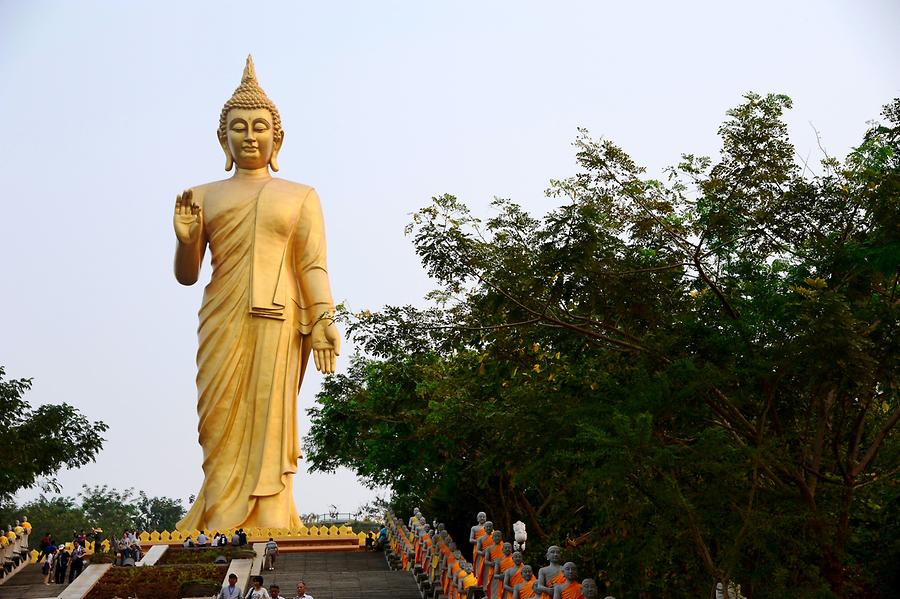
(158, 513)
(38, 442)
(110, 509)
(96, 506)
(686, 380)
(58, 516)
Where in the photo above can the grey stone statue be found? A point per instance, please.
(570, 571)
(496, 567)
(416, 517)
(589, 589)
(473, 533)
(484, 552)
(481, 558)
(527, 578)
(549, 574)
(509, 576)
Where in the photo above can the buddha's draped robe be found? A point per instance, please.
(254, 345)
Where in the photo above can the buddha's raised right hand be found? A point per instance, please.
(187, 218)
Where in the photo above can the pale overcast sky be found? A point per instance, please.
(110, 109)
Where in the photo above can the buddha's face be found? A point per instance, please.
(507, 548)
(526, 573)
(482, 518)
(251, 137)
(589, 589)
(517, 558)
(554, 554)
(569, 571)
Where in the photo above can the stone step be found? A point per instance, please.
(28, 583)
(341, 576)
(328, 575)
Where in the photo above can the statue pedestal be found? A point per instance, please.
(345, 542)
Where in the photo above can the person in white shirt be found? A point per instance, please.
(135, 545)
(202, 539)
(77, 561)
(271, 552)
(301, 590)
(257, 591)
(50, 564)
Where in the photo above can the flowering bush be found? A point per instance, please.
(158, 582)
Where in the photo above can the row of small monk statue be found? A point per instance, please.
(495, 567)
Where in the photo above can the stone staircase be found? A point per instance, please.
(341, 575)
(328, 575)
(28, 583)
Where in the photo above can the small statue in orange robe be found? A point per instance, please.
(498, 569)
(589, 589)
(491, 555)
(466, 580)
(525, 589)
(571, 588)
(551, 574)
(484, 544)
(513, 575)
(477, 532)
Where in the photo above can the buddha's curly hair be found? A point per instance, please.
(249, 95)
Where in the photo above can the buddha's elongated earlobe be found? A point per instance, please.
(229, 159)
(273, 159)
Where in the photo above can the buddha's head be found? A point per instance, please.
(517, 558)
(570, 570)
(482, 518)
(488, 527)
(554, 554)
(507, 548)
(589, 589)
(526, 573)
(250, 130)
(497, 536)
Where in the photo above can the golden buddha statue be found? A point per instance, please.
(268, 305)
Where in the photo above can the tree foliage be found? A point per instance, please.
(682, 380)
(98, 506)
(39, 442)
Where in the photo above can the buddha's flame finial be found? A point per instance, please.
(249, 75)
